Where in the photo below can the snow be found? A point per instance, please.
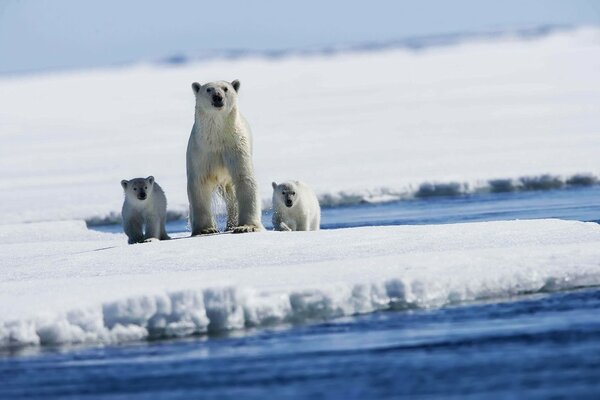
(371, 126)
(508, 114)
(91, 287)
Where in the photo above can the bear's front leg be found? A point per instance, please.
(248, 204)
(201, 218)
(302, 224)
(133, 228)
(284, 227)
(152, 229)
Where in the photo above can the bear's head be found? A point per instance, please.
(138, 189)
(284, 193)
(216, 97)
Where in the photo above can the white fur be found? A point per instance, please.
(304, 213)
(144, 220)
(219, 158)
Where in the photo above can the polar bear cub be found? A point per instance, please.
(144, 210)
(295, 207)
(219, 159)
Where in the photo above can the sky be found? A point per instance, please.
(39, 35)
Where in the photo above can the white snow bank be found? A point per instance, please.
(91, 287)
(371, 126)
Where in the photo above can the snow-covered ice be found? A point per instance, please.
(375, 126)
(83, 286)
(369, 126)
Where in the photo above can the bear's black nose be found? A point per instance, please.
(217, 98)
(142, 196)
(288, 203)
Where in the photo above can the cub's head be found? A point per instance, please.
(138, 189)
(220, 96)
(284, 193)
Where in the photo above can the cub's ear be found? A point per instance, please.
(236, 85)
(196, 87)
(150, 179)
(274, 184)
(124, 183)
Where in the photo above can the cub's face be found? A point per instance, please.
(284, 193)
(138, 189)
(214, 97)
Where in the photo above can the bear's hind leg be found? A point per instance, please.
(163, 232)
(228, 192)
(163, 229)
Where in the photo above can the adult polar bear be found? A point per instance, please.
(219, 157)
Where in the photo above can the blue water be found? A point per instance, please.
(539, 346)
(582, 204)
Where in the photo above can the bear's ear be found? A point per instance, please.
(124, 183)
(236, 85)
(274, 184)
(196, 87)
(150, 179)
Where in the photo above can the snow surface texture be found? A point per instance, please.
(499, 114)
(61, 283)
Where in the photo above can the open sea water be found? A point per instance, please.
(529, 347)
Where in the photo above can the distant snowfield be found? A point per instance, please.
(376, 126)
(62, 283)
(368, 126)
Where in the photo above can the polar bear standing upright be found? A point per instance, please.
(219, 158)
(295, 207)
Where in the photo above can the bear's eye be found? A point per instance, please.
(293, 193)
(145, 187)
(208, 90)
(225, 89)
(134, 188)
